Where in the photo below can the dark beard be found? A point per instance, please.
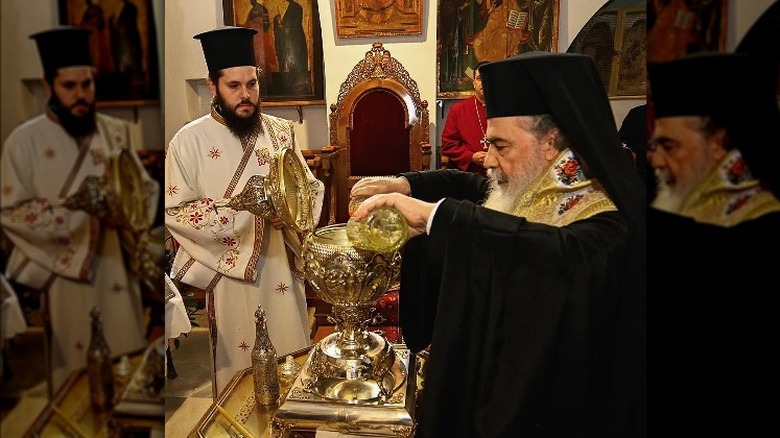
(76, 126)
(241, 127)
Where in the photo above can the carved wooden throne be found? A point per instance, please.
(378, 126)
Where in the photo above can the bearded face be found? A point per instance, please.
(505, 190)
(240, 124)
(72, 99)
(236, 94)
(77, 124)
(682, 156)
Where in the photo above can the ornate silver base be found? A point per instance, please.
(361, 372)
(351, 406)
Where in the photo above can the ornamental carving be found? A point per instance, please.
(378, 63)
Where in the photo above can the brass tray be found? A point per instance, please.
(69, 413)
(237, 399)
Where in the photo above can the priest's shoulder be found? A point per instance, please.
(277, 122)
(197, 127)
(112, 122)
(31, 137)
(28, 127)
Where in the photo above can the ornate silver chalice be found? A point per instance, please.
(354, 380)
(352, 364)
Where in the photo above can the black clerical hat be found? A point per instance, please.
(567, 86)
(228, 46)
(64, 46)
(712, 84)
(737, 90)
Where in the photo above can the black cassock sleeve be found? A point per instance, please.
(521, 320)
(433, 185)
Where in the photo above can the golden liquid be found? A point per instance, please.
(384, 230)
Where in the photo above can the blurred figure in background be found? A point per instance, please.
(633, 133)
(72, 256)
(714, 150)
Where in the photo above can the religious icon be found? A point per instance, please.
(123, 46)
(615, 38)
(470, 31)
(288, 46)
(370, 18)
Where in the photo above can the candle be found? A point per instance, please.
(241, 429)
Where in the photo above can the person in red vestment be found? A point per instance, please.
(464, 131)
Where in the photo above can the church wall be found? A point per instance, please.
(185, 95)
(20, 73)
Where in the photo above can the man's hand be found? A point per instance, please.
(277, 223)
(415, 211)
(479, 158)
(380, 184)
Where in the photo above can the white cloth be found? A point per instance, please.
(251, 256)
(177, 321)
(78, 257)
(12, 320)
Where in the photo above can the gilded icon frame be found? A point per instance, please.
(288, 47)
(467, 32)
(123, 48)
(378, 18)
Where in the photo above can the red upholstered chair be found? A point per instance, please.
(385, 316)
(378, 126)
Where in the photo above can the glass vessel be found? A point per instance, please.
(384, 230)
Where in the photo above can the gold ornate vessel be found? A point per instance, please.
(264, 372)
(120, 196)
(354, 380)
(283, 193)
(352, 364)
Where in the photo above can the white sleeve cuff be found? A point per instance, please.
(430, 218)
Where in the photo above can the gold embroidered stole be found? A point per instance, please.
(561, 195)
(730, 195)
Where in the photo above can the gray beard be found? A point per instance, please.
(504, 197)
(670, 199)
(667, 201)
(501, 200)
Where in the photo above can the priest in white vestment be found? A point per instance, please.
(239, 259)
(74, 257)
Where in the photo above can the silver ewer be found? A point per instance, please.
(264, 370)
